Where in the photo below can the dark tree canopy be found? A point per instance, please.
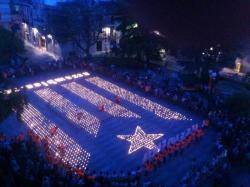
(13, 102)
(78, 22)
(136, 42)
(10, 46)
(238, 105)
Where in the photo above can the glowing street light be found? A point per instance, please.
(107, 31)
(35, 31)
(135, 25)
(50, 36)
(29, 86)
(86, 73)
(25, 26)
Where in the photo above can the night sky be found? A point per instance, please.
(196, 23)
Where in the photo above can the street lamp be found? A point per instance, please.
(35, 31)
(50, 36)
(107, 31)
(25, 26)
(157, 33)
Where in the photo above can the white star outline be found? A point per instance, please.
(140, 139)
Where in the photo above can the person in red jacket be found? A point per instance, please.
(53, 131)
(117, 99)
(101, 107)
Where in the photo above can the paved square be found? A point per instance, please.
(94, 129)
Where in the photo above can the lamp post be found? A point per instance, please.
(35, 33)
(51, 46)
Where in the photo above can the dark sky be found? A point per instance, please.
(194, 23)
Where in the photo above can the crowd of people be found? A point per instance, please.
(25, 160)
(25, 69)
(234, 134)
(214, 168)
(174, 146)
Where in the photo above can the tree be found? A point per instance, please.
(10, 46)
(138, 43)
(77, 21)
(13, 102)
(238, 105)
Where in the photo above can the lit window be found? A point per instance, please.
(106, 31)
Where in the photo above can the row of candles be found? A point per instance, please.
(143, 102)
(60, 144)
(72, 112)
(110, 107)
(46, 83)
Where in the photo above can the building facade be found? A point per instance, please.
(5, 13)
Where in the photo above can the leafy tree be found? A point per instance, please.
(10, 46)
(238, 105)
(13, 102)
(77, 21)
(138, 43)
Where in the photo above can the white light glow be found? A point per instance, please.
(73, 154)
(49, 36)
(16, 89)
(96, 99)
(86, 73)
(156, 32)
(68, 77)
(106, 31)
(35, 31)
(51, 81)
(76, 76)
(55, 81)
(140, 139)
(25, 26)
(37, 84)
(73, 113)
(44, 83)
(8, 91)
(60, 79)
(146, 104)
(29, 86)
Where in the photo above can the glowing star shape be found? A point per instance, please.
(140, 139)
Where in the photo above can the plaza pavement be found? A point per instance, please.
(107, 152)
